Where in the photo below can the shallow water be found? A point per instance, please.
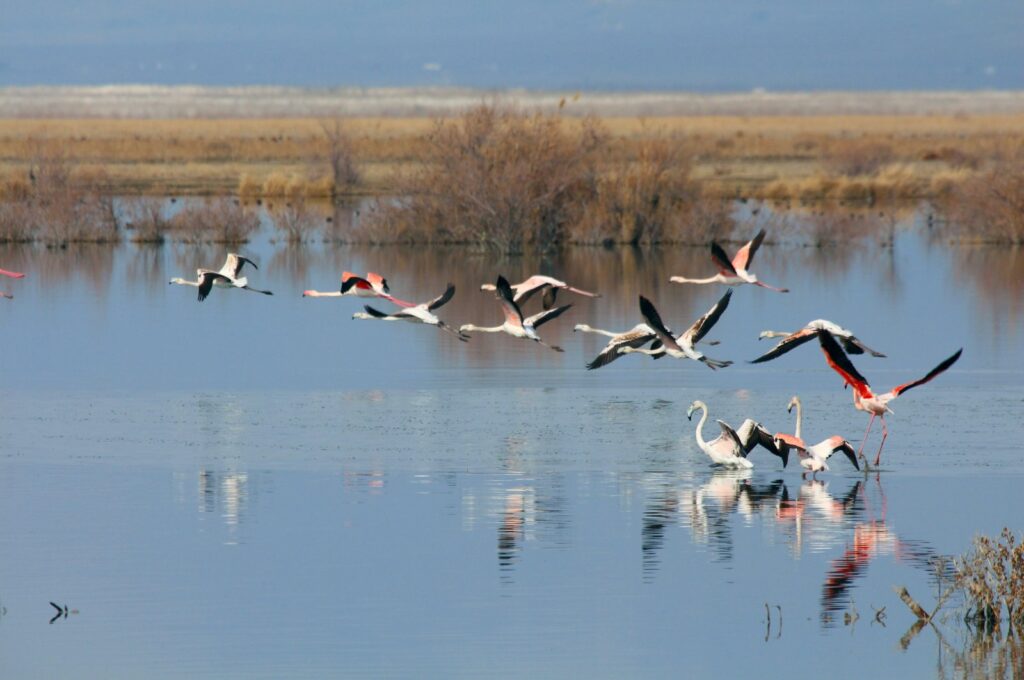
(263, 487)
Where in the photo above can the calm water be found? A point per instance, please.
(263, 487)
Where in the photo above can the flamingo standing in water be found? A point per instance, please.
(850, 342)
(730, 448)
(227, 277)
(734, 272)
(863, 398)
(13, 275)
(813, 458)
(537, 283)
(683, 348)
(421, 313)
(372, 285)
(515, 325)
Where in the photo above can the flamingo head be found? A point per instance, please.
(795, 401)
(693, 407)
(488, 286)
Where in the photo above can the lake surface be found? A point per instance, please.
(263, 487)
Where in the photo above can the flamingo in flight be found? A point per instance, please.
(515, 324)
(13, 275)
(850, 342)
(863, 398)
(636, 337)
(421, 313)
(813, 458)
(372, 285)
(733, 272)
(227, 277)
(538, 283)
(730, 448)
(681, 347)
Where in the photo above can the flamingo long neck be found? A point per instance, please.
(711, 279)
(799, 418)
(317, 293)
(700, 426)
(183, 282)
(484, 329)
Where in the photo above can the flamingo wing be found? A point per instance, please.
(705, 323)
(638, 337)
(853, 345)
(721, 260)
(845, 448)
(653, 320)
(745, 255)
(787, 344)
(442, 299)
(206, 280)
(350, 280)
(899, 389)
(541, 318)
(730, 435)
(378, 282)
(548, 301)
(841, 364)
(513, 315)
(375, 313)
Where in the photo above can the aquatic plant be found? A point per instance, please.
(991, 576)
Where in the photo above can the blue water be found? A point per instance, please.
(262, 487)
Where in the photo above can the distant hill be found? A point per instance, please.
(149, 101)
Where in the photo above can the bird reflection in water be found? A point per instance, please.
(226, 493)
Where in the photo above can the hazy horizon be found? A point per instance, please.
(613, 45)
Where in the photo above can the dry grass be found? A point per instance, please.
(992, 577)
(986, 207)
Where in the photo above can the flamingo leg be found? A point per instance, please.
(860, 452)
(777, 290)
(885, 433)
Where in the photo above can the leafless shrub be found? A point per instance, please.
(293, 219)
(337, 150)
(215, 220)
(992, 578)
(146, 219)
(498, 178)
(652, 200)
(987, 207)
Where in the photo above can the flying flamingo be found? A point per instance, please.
(515, 325)
(730, 448)
(813, 458)
(421, 313)
(684, 347)
(863, 398)
(637, 336)
(372, 285)
(13, 275)
(733, 273)
(227, 277)
(537, 283)
(850, 342)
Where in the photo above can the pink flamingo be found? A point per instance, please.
(863, 398)
(813, 458)
(515, 324)
(372, 285)
(537, 283)
(734, 272)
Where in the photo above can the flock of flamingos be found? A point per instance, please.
(653, 338)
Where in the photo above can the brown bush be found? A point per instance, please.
(987, 207)
(992, 577)
(853, 157)
(498, 178)
(294, 219)
(215, 220)
(337, 151)
(146, 219)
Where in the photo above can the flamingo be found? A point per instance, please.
(515, 325)
(637, 336)
(227, 277)
(813, 458)
(684, 347)
(863, 398)
(372, 285)
(421, 313)
(850, 342)
(526, 289)
(730, 448)
(733, 273)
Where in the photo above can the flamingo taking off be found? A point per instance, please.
(813, 458)
(227, 277)
(515, 325)
(850, 342)
(734, 272)
(637, 336)
(683, 348)
(730, 448)
(537, 283)
(421, 313)
(863, 398)
(372, 285)
(13, 275)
